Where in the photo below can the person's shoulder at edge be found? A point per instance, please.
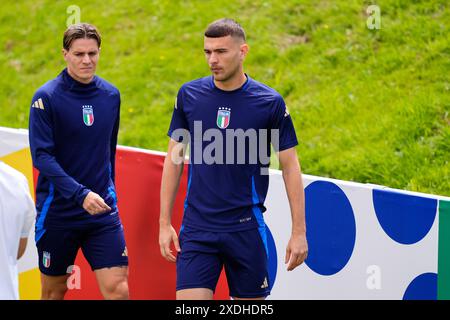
(264, 91)
(48, 88)
(106, 86)
(12, 174)
(198, 84)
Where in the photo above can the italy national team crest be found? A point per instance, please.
(223, 117)
(46, 259)
(88, 115)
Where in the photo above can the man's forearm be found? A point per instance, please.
(169, 187)
(295, 192)
(67, 186)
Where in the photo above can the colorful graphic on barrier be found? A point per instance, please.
(365, 241)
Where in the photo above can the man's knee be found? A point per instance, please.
(55, 292)
(117, 290)
(53, 288)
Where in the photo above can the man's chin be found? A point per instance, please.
(220, 77)
(86, 76)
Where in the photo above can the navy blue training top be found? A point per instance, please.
(226, 186)
(73, 131)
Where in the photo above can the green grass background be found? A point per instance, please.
(370, 106)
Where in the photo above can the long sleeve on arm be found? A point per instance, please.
(114, 136)
(42, 146)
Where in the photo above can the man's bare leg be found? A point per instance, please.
(113, 282)
(195, 294)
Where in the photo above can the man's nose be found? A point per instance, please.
(86, 59)
(213, 58)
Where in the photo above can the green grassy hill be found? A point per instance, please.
(368, 105)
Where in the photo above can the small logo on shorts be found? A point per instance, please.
(46, 259)
(265, 284)
(125, 252)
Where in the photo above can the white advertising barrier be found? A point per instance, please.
(365, 241)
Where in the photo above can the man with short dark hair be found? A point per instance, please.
(74, 123)
(228, 118)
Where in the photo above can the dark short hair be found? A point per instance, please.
(225, 27)
(80, 31)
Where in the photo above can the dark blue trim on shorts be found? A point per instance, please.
(259, 217)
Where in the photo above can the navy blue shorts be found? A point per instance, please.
(241, 253)
(103, 247)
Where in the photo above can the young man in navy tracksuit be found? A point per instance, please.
(74, 123)
(223, 224)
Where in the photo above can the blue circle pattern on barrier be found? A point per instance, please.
(331, 228)
(423, 287)
(405, 218)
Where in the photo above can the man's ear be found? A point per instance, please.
(64, 52)
(244, 50)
